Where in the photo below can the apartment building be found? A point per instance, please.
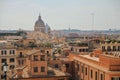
(37, 63)
(7, 54)
(79, 47)
(110, 46)
(89, 67)
(36, 68)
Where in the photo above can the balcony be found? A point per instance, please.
(21, 56)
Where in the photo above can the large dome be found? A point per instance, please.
(39, 22)
(39, 25)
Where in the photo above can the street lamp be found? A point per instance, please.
(5, 68)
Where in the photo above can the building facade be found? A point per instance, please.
(79, 47)
(35, 67)
(89, 67)
(7, 55)
(110, 46)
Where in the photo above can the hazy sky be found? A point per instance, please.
(60, 14)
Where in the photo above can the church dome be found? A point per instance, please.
(39, 25)
(39, 22)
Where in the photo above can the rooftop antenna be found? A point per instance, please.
(92, 14)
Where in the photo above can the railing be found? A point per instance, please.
(20, 56)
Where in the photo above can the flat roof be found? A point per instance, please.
(64, 59)
(32, 51)
(89, 57)
(52, 72)
(57, 72)
(97, 66)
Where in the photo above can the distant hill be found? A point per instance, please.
(12, 33)
(8, 31)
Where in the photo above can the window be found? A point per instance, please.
(2, 76)
(1, 68)
(67, 65)
(108, 48)
(12, 60)
(35, 58)
(3, 60)
(3, 52)
(20, 55)
(78, 67)
(42, 69)
(101, 76)
(86, 71)
(114, 48)
(103, 48)
(115, 78)
(35, 69)
(72, 49)
(83, 50)
(91, 73)
(82, 69)
(118, 48)
(79, 50)
(56, 66)
(12, 66)
(86, 50)
(95, 75)
(42, 58)
(20, 62)
(12, 51)
(48, 54)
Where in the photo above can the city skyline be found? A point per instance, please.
(62, 14)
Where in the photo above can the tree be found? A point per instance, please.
(32, 44)
(48, 45)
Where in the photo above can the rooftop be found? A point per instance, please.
(97, 66)
(64, 59)
(89, 57)
(52, 72)
(112, 54)
(32, 51)
(57, 72)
